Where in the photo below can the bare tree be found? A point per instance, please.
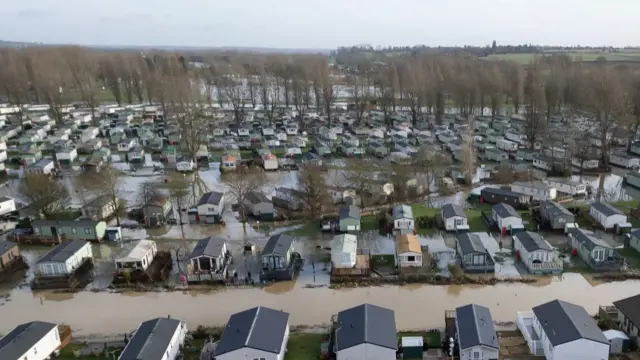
(179, 189)
(51, 78)
(327, 88)
(14, 80)
(107, 184)
(241, 183)
(83, 67)
(111, 72)
(45, 194)
(269, 90)
(233, 84)
(313, 192)
(535, 94)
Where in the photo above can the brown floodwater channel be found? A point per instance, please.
(416, 306)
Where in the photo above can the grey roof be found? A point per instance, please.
(278, 244)
(16, 343)
(475, 327)
(256, 197)
(555, 209)
(533, 184)
(63, 251)
(606, 209)
(502, 192)
(212, 197)
(6, 246)
(451, 210)
(470, 243)
(259, 328)
(505, 210)
(587, 239)
(532, 241)
(151, 340)
(564, 322)
(402, 212)
(210, 246)
(350, 211)
(61, 223)
(5, 198)
(366, 323)
(630, 307)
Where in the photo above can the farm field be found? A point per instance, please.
(525, 58)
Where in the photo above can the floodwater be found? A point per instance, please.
(415, 306)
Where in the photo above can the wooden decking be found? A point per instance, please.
(362, 268)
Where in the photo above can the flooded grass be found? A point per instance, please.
(304, 346)
(631, 256)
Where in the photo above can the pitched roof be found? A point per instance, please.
(6, 246)
(505, 210)
(470, 243)
(502, 192)
(606, 209)
(451, 210)
(212, 197)
(564, 322)
(630, 307)
(278, 244)
(63, 251)
(210, 246)
(70, 223)
(555, 209)
(151, 340)
(22, 338)
(402, 212)
(350, 211)
(256, 197)
(475, 327)
(587, 239)
(532, 241)
(368, 324)
(259, 328)
(407, 243)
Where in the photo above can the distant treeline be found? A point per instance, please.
(473, 50)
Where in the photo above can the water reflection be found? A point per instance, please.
(110, 313)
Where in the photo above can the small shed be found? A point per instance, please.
(412, 347)
(349, 218)
(343, 251)
(619, 341)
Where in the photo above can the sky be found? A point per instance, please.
(321, 24)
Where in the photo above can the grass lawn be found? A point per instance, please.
(431, 338)
(631, 256)
(419, 210)
(308, 229)
(67, 353)
(304, 346)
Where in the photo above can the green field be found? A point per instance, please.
(525, 58)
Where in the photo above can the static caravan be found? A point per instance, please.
(64, 259)
(506, 145)
(139, 257)
(624, 160)
(343, 251)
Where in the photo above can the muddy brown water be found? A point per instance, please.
(416, 306)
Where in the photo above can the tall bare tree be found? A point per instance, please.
(312, 187)
(243, 182)
(44, 194)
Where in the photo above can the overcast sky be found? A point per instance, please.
(321, 23)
